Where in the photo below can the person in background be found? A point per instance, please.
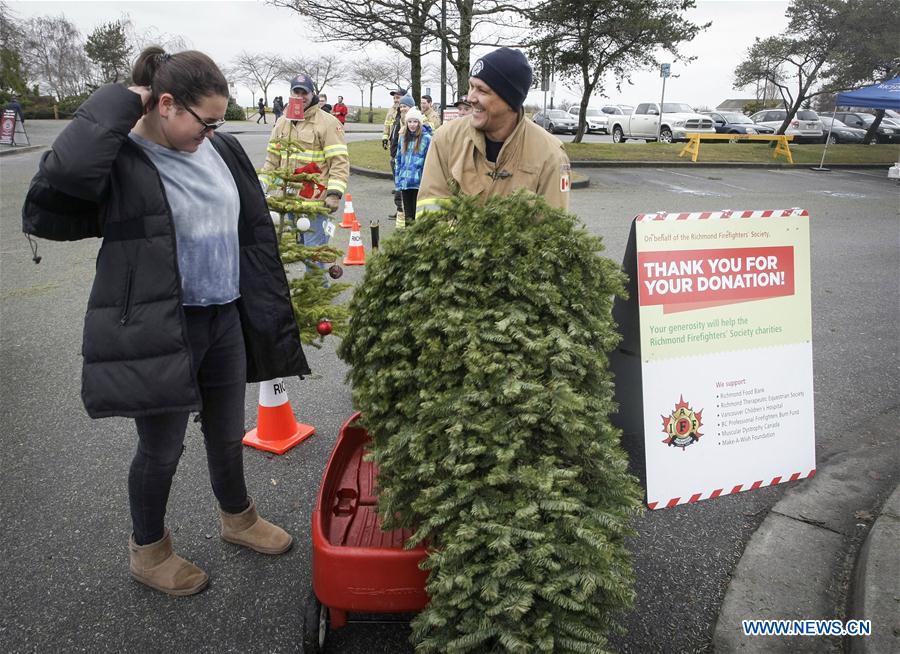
(411, 153)
(189, 301)
(432, 118)
(15, 106)
(495, 150)
(405, 104)
(339, 110)
(277, 107)
(318, 138)
(261, 108)
(391, 117)
(323, 103)
(463, 106)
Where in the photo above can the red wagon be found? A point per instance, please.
(357, 567)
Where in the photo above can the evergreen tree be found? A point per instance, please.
(477, 345)
(312, 296)
(108, 48)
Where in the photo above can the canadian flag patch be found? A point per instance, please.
(565, 180)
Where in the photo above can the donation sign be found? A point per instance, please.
(7, 126)
(725, 352)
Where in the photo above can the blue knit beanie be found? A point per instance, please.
(508, 73)
(408, 101)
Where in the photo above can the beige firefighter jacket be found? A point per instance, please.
(320, 138)
(389, 122)
(432, 117)
(530, 158)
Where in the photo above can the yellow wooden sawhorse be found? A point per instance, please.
(781, 143)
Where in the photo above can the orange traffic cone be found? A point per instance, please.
(349, 213)
(277, 430)
(356, 253)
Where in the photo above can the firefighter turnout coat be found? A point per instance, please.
(530, 158)
(318, 138)
(389, 119)
(432, 117)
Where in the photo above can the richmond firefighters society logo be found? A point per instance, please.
(682, 426)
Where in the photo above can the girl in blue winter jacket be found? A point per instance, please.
(411, 161)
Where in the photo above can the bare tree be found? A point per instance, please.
(322, 69)
(367, 74)
(475, 22)
(256, 70)
(399, 73)
(145, 37)
(399, 24)
(53, 53)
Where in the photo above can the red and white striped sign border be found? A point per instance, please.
(722, 215)
(719, 492)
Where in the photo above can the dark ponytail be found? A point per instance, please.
(190, 76)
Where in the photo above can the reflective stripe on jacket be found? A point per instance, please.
(318, 138)
(389, 119)
(530, 158)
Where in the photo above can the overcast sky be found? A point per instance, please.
(222, 29)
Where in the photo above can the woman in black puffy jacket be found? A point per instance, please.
(190, 299)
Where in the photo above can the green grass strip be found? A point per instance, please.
(369, 154)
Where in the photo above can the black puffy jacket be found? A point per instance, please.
(96, 182)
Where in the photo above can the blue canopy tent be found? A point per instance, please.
(884, 95)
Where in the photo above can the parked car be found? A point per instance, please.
(839, 132)
(887, 132)
(678, 119)
(556, 120)
(618, 109)
(805, 126)
(596, 119)
(733, 122)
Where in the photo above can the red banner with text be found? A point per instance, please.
(689, 279)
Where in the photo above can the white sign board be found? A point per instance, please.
(725, 352)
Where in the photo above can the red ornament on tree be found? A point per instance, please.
(324, 327)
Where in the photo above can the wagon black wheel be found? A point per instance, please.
(315, 625)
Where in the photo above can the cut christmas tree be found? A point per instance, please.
(289, 196)
(478, 348)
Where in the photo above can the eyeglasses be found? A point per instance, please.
(207, 127)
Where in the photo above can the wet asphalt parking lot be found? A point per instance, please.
(63, 477)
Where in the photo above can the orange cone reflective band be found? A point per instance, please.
(356, 253)
(277, 430)
(349, 214)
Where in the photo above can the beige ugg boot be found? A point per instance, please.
(157, 566)
(248, 529)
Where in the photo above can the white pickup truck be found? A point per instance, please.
(677, 120)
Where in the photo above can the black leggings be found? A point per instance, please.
(409, 203)
(220, 367)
